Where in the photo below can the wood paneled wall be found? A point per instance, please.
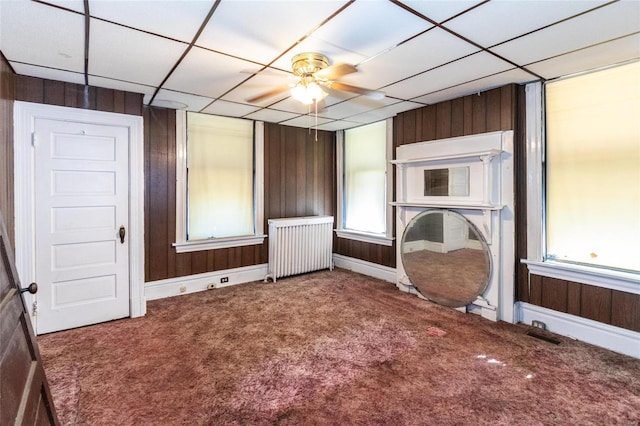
(51, 92)
(608, 306)
(299, 181)
(488, 111)
(7, 83)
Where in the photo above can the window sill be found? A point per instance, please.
(365, 237)
(615, 280)
(218, 243)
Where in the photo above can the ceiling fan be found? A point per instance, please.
(314, 78)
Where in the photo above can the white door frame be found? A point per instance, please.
(25, 114)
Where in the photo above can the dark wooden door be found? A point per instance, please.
(25, 398)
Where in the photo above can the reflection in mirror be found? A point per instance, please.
(452, 182)
(445, 257)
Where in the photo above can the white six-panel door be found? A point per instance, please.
(81, 185)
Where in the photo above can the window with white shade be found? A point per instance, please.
(219, 185)
(592, 166)
(364, 187)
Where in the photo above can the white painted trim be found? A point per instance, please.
(596, 333)
(218, 243)
(615, 280)
(340, 178)
(535, 156)
(200, 282)
(389, 232)
(181, 177)
(365, 268)
(25, 114)
(365, 237)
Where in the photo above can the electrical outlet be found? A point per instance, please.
(539, 324)
(211, 286)
(224, 280)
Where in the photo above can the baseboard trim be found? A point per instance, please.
(200, 282)
(366, 268)
(596, 333)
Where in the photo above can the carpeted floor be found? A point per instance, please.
(334, 348)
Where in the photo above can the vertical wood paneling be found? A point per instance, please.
(574, 296)
(51, 92)
(443, 120)
(608, 306)
(596, 303)
(535, 290)
(157, 208)
(7, 90)
(554, 294)
(626, 310)
(457, 117)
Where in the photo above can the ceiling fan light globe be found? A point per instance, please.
(308, 94)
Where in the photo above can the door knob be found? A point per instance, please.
(122, 234)
(33, 288)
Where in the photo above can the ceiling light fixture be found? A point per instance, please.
(307, 91)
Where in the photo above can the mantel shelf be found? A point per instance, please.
(449, 205)
(489, 153)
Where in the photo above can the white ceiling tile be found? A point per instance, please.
(608, 22)
(271, 115)
(261, 83)
(385, 112)
(229, 109)
(332, 126)
(175, 19)
(613, 52)
(262, 30)
(179, 100)
(75, 5)
(371, 27)
(207, 73)
(355, 106)
(470, 68)
(308, 121)
(37, 34)
(440, 10)
(293, 105)
(431, 49)
(497, 21)
(108, 83)
(125, 54)
(515, 75)
(48, 73)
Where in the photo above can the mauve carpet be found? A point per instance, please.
(329, 348)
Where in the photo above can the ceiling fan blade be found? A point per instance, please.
(268, 94)
(334, 71)
(374, 94)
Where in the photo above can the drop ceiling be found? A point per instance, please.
(211, 56)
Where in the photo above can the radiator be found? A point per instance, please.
(299, 244)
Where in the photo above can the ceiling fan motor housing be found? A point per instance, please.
(305, 64)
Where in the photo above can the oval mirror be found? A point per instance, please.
(445, 257)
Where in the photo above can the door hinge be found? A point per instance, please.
(34, 309)
(34, 139)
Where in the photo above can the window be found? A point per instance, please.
(593, 168)
(583, 184)
(219, 186)
(364, 185)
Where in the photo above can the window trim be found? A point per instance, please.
(536, 263)
(182, 245)
(387, 238)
